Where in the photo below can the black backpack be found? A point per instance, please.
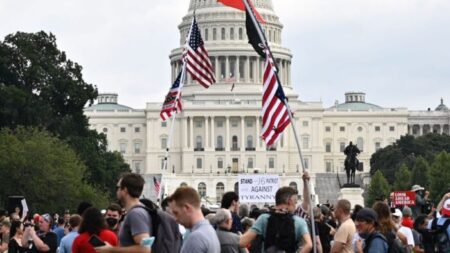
(165, 229)
(280, 233)
(441, 242)
(394, 244)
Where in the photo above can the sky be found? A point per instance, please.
(396, 51)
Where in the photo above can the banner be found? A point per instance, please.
(258, 188)
(404, 198)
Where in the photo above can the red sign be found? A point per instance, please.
(404, 198)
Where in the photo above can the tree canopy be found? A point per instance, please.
(40, 86)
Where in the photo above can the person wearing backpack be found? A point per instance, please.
(281, 231)
(136, 224)
(439, 228)
(366, 225)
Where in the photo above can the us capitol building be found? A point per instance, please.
(216, 136)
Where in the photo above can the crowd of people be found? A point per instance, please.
(182, 224)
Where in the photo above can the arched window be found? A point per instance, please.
(249, 141)
(241, 36)
(360, 143)
(220, 190)
(183, 184)
(202, 189)
(223, 34)
(219, 141)
(293, 185)
(198, 142)
(214, 34)
(234, 141)
(231, 33)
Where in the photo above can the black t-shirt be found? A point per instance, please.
(51, 240)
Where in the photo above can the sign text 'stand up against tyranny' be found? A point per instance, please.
(258, 188)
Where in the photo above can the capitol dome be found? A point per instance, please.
(234, 60)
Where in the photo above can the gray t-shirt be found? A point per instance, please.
(137, 221)
(202, 239)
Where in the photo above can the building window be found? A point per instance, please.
(327, 129)
(220, 190)
(164, 143)
(214, 34)
(206, 34)
(105, 130)
(271, 163)
(249, 123)
(342, 129)
(231, 33)
(305, 123)
(377, 128)
(201, 189)
(250, 163)
(328, 147)
(241, 36)
(219, 141)
(137, 148)
(305, 141)
(219, 123)
(199, 163)
(219, 163)
(137, 129)
(392, 128)
(249, 141)
(328, 166)
(123, 129)
(306, 161)
(360, 143)
(123, 148)
(293, 185)
(163, 124)
(341, 146)
(223, 34)
(377, 146)
(234, 141)
(137, 167)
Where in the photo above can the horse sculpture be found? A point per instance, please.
(351, 162)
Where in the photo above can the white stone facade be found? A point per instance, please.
(217, 134)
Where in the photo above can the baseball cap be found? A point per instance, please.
(397, 213)
(367, 214)
(446, 208)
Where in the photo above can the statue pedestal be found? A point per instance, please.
(352, 194)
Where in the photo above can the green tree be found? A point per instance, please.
(402, 179)
(46, 171)
(378, 188)
(439, 176)
(419, 173)
(40, 87)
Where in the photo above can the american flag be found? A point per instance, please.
(197, 59)
(172, 103)
(274, 112)
(157, 185)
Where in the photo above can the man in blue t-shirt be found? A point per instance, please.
(286, 201)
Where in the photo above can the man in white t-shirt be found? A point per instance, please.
(407, 232)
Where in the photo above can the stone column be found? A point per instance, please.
(257, 139)
(242, 134)
(206, 133)
(191, 132)
(227, 135)
(213, 138)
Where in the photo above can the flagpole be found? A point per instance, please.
(266, 44)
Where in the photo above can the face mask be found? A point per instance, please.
(364, 235)
(111, 221)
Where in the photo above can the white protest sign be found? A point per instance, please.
(258, 188)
